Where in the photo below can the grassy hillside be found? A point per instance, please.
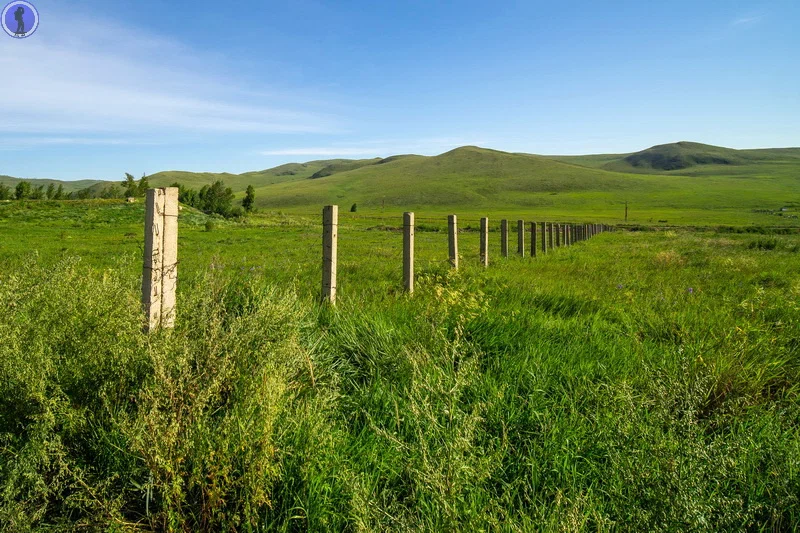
(69, 186)
(688, 158)
(478, 180)
(660, 184)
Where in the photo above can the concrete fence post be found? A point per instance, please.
(160, 265)
(544, 238)
(533, 239)
(550, 235)
(452, 240)
(330, 239)
(408, 252)
(558, 235)
(485, 241)
(521, 238)
(504, 238)
(169, 278)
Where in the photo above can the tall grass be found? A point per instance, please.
(638, 382)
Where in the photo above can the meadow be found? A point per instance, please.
(643, 380)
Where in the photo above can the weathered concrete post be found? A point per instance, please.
(160, 269)
(558, 235)
(533, 239)
(521, 237)
(504, 238)
(544, 238)
(485, 241)
(330, 239)
(169, 277)
(153, 257)
(568, 234)
(550, 235)
(452, 240)
(408, 252)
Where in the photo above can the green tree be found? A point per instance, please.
(5, 192)
(249, 198)
(216, 198)
(51, 191)
(111, 191)
(23, 190)
(143, 185)
(130, 185)
(37, 193)
(59, 193)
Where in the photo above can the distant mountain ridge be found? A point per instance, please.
(468, 173)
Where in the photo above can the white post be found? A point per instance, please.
(160, 269)
(330, 238)
(408, 252)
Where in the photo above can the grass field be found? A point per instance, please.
(644, 380)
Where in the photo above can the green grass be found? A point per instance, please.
(639, 381)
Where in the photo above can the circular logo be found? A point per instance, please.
(20, 19)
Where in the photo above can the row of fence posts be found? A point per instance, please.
(160, 271)
(552, 236)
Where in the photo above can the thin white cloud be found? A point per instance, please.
(746, 21)
(114, 79)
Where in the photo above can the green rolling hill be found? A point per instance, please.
(659, 183)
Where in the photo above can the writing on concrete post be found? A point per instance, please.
(160, 268)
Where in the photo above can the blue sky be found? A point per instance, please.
(107, 87)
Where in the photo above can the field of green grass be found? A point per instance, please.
(642, 381)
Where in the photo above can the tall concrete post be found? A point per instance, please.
(558, 235)
(533, 239)
(550, 235)
(504, 238)
(452, 240)
(485, 241)
(160, 268)
(408, 252)
(521, 238)
(330, 239)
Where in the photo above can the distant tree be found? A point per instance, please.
(37, 193)
(249, 198)
(59, 193)
(23, 190)
(130, 185)
(143, 185)
(5, 192)
(83, 194)
(51, 191)
(216, 198)
(353, 208)
(111, 191)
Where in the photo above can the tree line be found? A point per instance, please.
(211, 199)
